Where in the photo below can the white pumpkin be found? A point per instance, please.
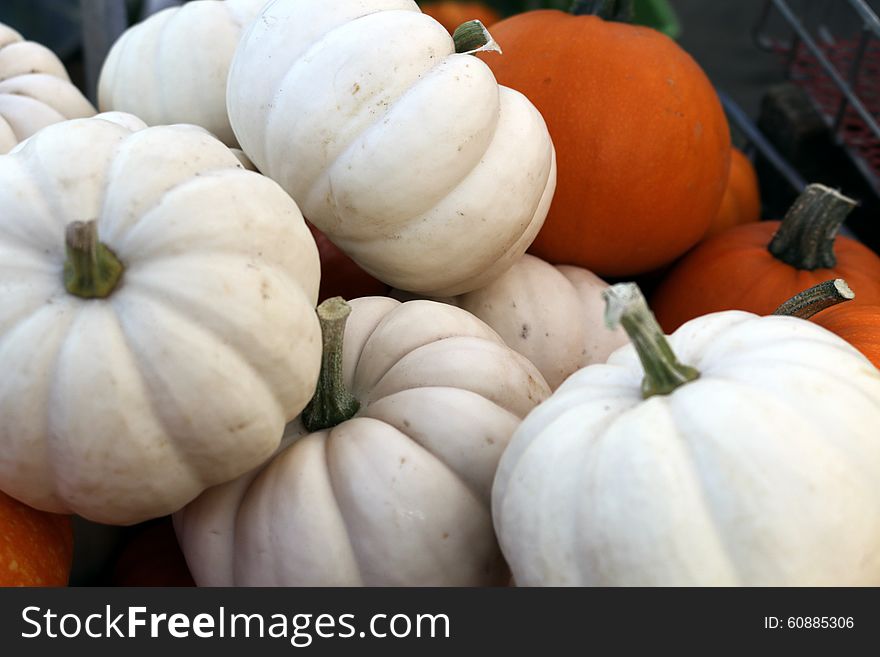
(125, 407)
(552, 315)
(35, 90)
(397, 495)
(408, 156)
(763, 471)
(172, 67)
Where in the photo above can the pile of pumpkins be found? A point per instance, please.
(470, 403)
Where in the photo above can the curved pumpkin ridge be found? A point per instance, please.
(355, 183)
(418, 473)
(97, 329)
(23, 57)
(8, 36)
(26, 115)
(195, 23)
(487, 363)
(23, 432)
(386, 347)
(320, 18)
(128, 86)
(171, 68)
(429, 408)
(70, 193)
(473, 218)
(364, 92)
(48, 89)
(713, 462)
(306, 469)
(241, 332)
(160, 411)
(143, 161)
(373, 182)
(8, 140)
(33, 223)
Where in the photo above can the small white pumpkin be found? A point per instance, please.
(172, 67)
(763, 471)
(551, 314)
(35, 90)
(407, 155)
(396, 495)
(164, 348)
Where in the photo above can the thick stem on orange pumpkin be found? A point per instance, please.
(92, 270)
(626, 307)
(332, 403)
(816, 299)
(805, 239)
(620, 11)
(473, 37)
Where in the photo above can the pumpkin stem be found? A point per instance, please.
(332, 403)
(91, 270)
(473, 37)
(816, 299)
(805, 239)
(626, 306)
(620, 11)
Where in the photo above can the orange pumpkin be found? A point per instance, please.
(642, 142)
(452, 14)
(824, 305)
(758, 266)
(741, 203)
(36, 548)
(858, 325)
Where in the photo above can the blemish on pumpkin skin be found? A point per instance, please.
(445, 535)
(524, 333)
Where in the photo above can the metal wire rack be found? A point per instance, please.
(831, 49)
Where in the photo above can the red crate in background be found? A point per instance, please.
(831, 49)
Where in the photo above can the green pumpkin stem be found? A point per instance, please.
(626, 307)
(92, 270)
(332, 403)
(619, 11)
(805, 239)
(473, 37)
(816, 299)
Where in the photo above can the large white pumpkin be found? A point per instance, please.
(172, 67)
(125, 407)
(552, 315)
(35, 90)
(408, 156)
(399, 494)
(764, 471)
